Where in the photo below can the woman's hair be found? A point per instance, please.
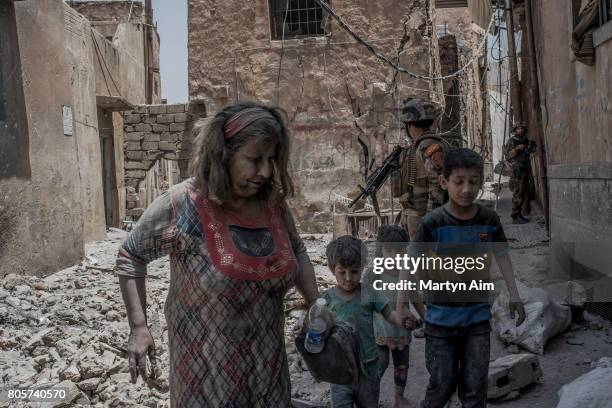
(392, 237)
(213, 151)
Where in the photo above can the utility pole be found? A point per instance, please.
(147, 51)
(515, 88)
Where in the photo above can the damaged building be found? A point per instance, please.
(68, 70)
(295, 55)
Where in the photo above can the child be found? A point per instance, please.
(346, 258)
(391, 241)
(457, 344)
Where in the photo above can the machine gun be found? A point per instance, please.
(378, 177)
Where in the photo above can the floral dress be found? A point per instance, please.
(224, 309)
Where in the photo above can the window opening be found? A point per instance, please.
(300, 18)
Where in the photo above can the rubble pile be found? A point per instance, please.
(70, 330)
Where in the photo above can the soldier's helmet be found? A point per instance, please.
(417, 109)
(519, 125)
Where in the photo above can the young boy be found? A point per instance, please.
(392, 240)
(457, 344)
(346, 257)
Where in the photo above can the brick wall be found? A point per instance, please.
(153, 132)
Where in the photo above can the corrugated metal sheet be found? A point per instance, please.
(451, 3)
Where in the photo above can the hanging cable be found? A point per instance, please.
(386, 60)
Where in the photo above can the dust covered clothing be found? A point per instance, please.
(358, 312)
(228, 278)
(457, 345)
(387, 334)
(416, 184)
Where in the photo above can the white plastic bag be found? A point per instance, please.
(545, 319)
(590, 390)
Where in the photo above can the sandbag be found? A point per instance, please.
(545, 319)
(590, 390)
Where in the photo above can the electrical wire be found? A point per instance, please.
(386, 60)
(282, 53)
(103, 60)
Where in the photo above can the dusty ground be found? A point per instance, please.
(71, 327)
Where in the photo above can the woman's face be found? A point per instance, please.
(251, 166)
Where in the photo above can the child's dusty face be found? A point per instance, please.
(462, 186)
(347, 279)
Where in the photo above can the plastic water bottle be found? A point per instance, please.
(314, 342)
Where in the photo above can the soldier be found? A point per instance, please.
(416, 183)
(517, 151)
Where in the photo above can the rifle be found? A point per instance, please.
(378, 177)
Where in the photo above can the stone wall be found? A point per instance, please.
(153, 132)
(331, 87)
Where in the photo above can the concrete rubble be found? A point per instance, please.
(510, 373)
(70, 329)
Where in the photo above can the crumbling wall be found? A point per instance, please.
(468, 90)
(153, 132)
(40, 210)
(332, 88)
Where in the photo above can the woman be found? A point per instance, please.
(234, 253)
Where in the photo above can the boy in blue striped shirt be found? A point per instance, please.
(457, 329)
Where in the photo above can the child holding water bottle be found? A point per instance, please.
(350, 303)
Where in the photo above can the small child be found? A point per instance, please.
(346, 258)
(391, 241)
(457, 334)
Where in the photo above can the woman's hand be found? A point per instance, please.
(140, 344)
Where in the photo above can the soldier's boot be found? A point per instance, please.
(519, 219)
(523, 218)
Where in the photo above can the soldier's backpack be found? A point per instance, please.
(338, 362)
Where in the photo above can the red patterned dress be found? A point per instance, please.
(224, 307)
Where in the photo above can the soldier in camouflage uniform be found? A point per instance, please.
(517, 153)
(416, 183)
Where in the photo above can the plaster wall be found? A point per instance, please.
(332, 88)
(41, 211)
(577, 117)
(81, 53)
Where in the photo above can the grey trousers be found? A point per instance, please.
(457, 358)
(364, 394)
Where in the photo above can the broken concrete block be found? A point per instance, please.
(113, 316)
(511, 373)
(90, 368)
(70, 373)
(72, 393)
(90, 384)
